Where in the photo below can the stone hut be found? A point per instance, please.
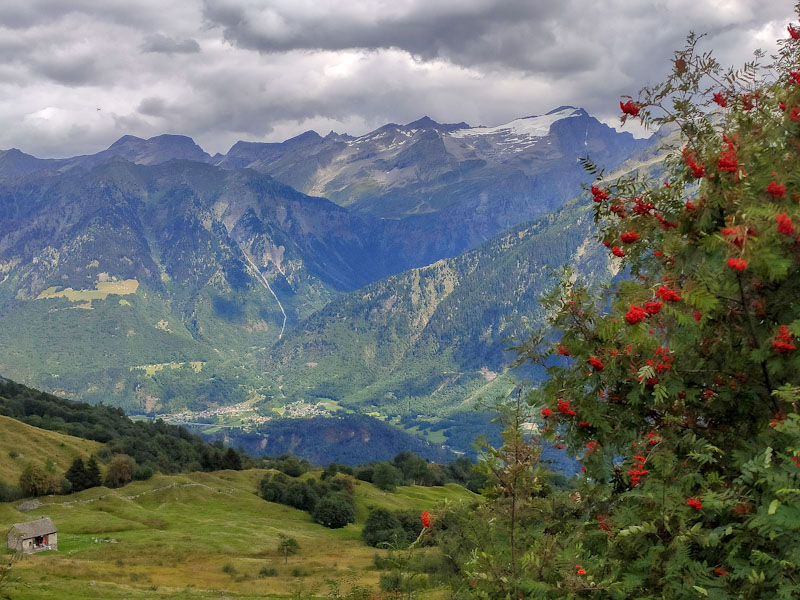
(33, 536)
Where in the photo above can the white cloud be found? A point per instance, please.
(223, 70)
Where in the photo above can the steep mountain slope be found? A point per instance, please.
(444, 188)
(422, 346)
(430, 340)
(148, 277)
(468, 184)
(172, 272)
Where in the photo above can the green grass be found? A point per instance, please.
(174, 534)
(21, 444)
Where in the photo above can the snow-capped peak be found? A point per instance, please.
(535, 126)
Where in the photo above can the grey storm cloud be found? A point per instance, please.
(540, 36)
(265, 70)
(152, 106)
(158, 42)
(466, 31)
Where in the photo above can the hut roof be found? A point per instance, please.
(43, 526)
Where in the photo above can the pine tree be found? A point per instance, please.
(93, 478)
(77, 475)
(231, 460)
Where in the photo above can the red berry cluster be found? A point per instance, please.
(727, 159)
(668, 295)
(776, 190)
(599, 194)
(564, 407)
(629, 108)
(652, 438)
(629, 237)
(694, 503)
(426, 519)
(603, 522)
(665, 360)
(698, 170)
(783, 340)
(638, 471)
(737, 264)
(596, 363)
(785, 224)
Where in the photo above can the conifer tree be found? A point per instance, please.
(77, 475)
(93, 478)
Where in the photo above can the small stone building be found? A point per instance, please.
(33, 536)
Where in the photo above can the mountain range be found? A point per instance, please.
(377, 274)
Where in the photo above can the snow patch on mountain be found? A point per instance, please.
(536, 126)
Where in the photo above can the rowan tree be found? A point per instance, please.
(677, 385)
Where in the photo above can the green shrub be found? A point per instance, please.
(268, 572)
(386, 477)
(335, 511)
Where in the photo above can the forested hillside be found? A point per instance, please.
(154, 445)
(432, 340)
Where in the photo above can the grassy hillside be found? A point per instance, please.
(21, 444)
(171, 537)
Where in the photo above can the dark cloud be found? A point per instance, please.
(152, 106)
(466, 32)
(269, 69)
(559, 38)
(158, 42)
(70, 70)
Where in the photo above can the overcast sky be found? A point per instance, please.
(75, 75)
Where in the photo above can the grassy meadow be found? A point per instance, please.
(21, 444)
(199, 535)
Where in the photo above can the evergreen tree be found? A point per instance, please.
(77, 475)
(231, 460)
(92, 473)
